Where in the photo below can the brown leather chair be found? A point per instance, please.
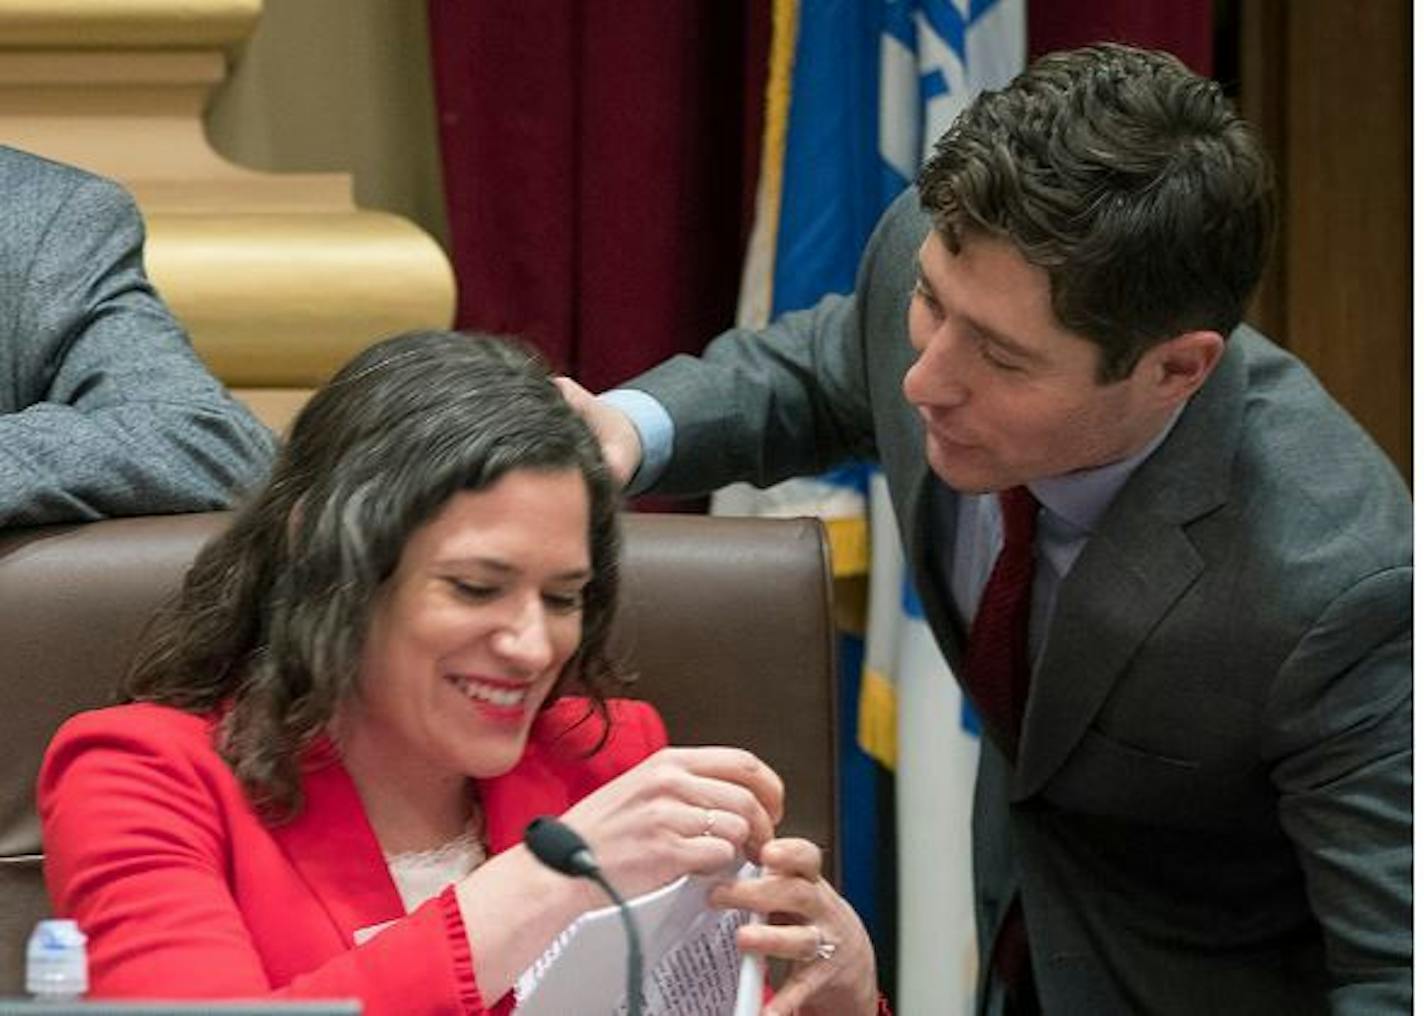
(725, 622)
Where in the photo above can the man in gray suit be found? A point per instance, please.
(104, 408)
(1204, 805)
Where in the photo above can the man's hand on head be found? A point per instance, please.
(622, 448)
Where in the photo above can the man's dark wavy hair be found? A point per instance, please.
(271, 619)
(1129, 179)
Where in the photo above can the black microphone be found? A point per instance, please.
(559, 847)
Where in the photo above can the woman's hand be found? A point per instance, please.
(678, 811)
(809, 924)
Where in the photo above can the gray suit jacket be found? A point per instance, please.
(104, 408)
(1211, 811)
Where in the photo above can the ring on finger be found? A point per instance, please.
(709, 819)
(825, 948)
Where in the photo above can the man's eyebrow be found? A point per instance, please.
(997, 338)
(1008, 345)
(922, 282)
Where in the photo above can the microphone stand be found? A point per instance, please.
(635, 947)
(560, 848)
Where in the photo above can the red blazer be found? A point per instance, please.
(184, 891)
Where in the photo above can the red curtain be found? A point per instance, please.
(596, 157)
(600, 159)
(1182, 27)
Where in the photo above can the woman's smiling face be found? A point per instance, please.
(473, 630)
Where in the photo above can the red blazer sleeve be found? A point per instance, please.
(146, 846)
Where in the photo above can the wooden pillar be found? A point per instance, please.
(1328, 84)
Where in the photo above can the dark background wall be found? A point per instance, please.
(1328, 84)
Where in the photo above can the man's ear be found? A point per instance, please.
(1175, 369)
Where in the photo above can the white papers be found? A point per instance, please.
(690, 958)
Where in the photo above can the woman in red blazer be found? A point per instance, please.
(337, 732)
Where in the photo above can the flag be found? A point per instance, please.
(935, 55)
(857, 93)
(819, 195)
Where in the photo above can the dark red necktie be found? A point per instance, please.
(996, 661)
(996, 673)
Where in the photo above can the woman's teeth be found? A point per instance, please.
(495, 695)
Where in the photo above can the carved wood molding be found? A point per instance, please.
(138, 24)
(279, 277)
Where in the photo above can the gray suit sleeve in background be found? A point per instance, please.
(104, 407)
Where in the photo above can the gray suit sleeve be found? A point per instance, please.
(790, 399)
(114, 412)
(1341, 729)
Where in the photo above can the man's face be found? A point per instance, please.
(1006, 393)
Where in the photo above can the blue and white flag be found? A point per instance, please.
(819, 196)
(858, 91)
(935, 55)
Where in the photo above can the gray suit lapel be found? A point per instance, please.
(1117, 592)
(1137, 565)
(923, 542)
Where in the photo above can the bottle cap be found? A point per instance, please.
(56, 963)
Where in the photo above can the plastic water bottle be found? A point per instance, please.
(56, 962)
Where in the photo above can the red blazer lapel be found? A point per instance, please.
(332, 846)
